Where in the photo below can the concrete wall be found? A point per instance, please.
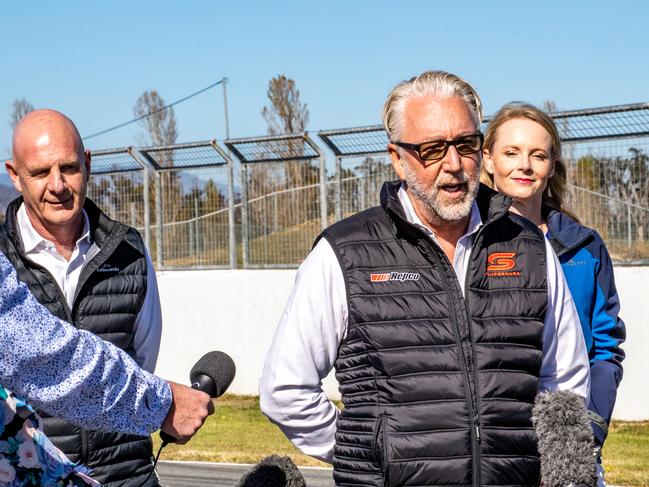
(237, 312)
(633, 394)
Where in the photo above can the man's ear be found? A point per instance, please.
(10, 166)
(487, 162)
(86, 161)
(397, 161)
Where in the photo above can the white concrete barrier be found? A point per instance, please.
(633, 395)
(237, 312)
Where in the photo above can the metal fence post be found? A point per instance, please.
(231, 216)
(628, 225)
(245, 249)
(158, 210)
(323, 191)
(146, 168)
(197, 238)
(323, 180)
(339, 189)
(147, 210)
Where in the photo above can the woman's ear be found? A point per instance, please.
(554, 165)
(488, 162)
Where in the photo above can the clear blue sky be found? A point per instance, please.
(91, 60)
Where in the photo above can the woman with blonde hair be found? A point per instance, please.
(522, 158)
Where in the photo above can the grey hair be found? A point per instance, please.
(439, 83)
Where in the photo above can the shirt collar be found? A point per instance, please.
(475, 221)
(32, 239)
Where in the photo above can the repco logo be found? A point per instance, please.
(501, 264)
(394, 276)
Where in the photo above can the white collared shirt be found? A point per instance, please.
(148, 324)
(314, 323)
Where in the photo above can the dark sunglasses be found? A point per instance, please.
(435, 150)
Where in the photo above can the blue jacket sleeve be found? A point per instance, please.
(69, 373)
(608, 332)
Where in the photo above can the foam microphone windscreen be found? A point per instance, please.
(565, 440)
(273, 471)
(219, 367)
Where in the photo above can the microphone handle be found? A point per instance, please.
(202, 383)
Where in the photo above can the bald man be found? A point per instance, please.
(86, 269)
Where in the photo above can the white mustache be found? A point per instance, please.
(452, 182)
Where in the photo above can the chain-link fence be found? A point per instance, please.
(194, 205)
(118, 185)
(195, 213)
(606, 151)
(283, 202)
(180, 197)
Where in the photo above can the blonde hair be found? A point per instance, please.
(553, 197)
(440, 83)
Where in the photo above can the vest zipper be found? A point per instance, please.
(477, 457)
(468, 370)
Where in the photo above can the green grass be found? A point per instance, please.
(626, 454)
(239, 433)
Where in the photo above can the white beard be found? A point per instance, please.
(430, 200)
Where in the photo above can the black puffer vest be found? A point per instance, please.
(109, 296)
(438, 388)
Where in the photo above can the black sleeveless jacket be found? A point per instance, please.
(109, 296)
(438, 388)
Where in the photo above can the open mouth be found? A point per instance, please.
(454, 188)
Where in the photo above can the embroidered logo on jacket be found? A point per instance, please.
(394, 276)
(108, 268)
(501, 264)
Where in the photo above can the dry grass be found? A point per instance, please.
(626, 454)
(236, 433)
(239, 433)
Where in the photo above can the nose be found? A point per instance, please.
(453, 160)
(525, 164)
(55, 183)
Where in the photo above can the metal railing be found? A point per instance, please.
(283, 198)
(196, 212)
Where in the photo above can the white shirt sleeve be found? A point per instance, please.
(565, 363)
(148, 324)
(303, 352)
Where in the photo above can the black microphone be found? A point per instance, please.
(212, 374)
(565, 440)
(273, 471)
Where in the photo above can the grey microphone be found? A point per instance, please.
(273, 471)
(212, 374)
(565, 440)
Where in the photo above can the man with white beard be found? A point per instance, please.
(442, 312)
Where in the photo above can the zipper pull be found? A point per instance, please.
(476, 423)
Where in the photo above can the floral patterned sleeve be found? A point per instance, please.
(70, 373)
(27, 456)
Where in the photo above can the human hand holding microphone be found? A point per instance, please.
(190, 406)
(210, 378)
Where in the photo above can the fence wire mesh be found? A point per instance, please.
(282, 207)
(606, 151)
(609, 191)
(283, 196)
(191, 202)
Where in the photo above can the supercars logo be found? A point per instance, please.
(394, 276)
(501, 264)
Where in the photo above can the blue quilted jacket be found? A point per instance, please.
(589, 272)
